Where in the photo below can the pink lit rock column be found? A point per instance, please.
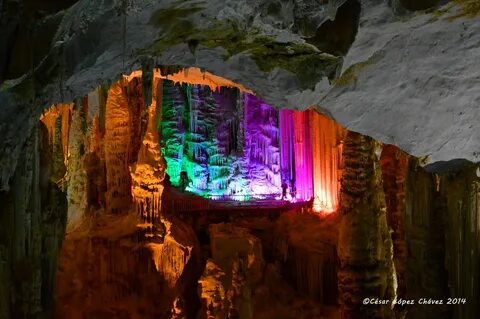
(303, 156)
(287, 158)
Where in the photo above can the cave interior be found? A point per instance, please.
(172, 192)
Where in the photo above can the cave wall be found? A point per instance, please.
(461, 196)
(33, 219)
(115, 271)
(425, 232)
(433, 220)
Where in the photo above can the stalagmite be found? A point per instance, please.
(364, 247)
(117, 147)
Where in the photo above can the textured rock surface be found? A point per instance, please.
(461, 192)
(306, 246)
(110, 270)
(231, 274)
(395, 167)
(425, 232)
(416, 87)
(365, 247)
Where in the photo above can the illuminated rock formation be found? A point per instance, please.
(227, 145)
(327, 151)
(287, 149)
(111, 273)
(148, 171)
(261, 148)
(76, 178)
(302, 146)
(117, 150)
(311, 157)
(57, 120)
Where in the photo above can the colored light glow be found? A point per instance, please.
(303, 156)
(327, 160)
(202, 132)
(234, 146)
(194, 76)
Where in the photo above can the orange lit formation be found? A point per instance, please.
(149, 170)
(194, 76)
(219, 140)
(327, 149)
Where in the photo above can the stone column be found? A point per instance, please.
(364, 245)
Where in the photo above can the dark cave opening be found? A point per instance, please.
(336, 37)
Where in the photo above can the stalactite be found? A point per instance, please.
(287, 151)
(147, 80)
(303, 156)
(173, 129)
(59, 132)
(261, 152)
(248, 148)
(76, 177)
(117, 149)
(327, 138)
(138, 115)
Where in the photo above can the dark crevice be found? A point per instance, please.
(336, 37)
(414, 5)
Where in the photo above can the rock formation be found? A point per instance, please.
(364, 246)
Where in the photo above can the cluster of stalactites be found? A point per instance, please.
(193, 76)
(262, 152)
(311, 157)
